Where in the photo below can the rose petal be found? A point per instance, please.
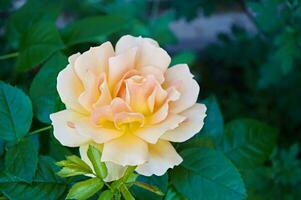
(149, 55)
(152, 133)
(64, 128)
(95, 60)
(119, 65)
(126, 150)
(125, 118)
(192, 125)
(150, 70)
(105, 97)
(115, 171)
(188, 87)
(127, 42)
(162, 156)
(89, 66)
(70, 87)
(138, 89)
(162, 112)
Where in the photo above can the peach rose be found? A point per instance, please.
(128, 103)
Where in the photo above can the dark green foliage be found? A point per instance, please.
(161, 182)
(47, 101)
(207, 174)
(23, 154)
(45, 185)
(16, 113)
(248, 143)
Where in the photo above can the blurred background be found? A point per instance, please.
(244, 54)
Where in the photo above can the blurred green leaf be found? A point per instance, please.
(1, 148)
(204, 141)
(47, 101)
(172, 194)
(93, 29)
(187, 57)
(207, 174)
(214, 122)
(56, 150)
(21, 160)
(85, 189)
(159, 28)
(45, 185)
(264, 12)
(32, 12)
(94, 156)
(15, 113)
(286, 167)
(248, 142)
(38, 44)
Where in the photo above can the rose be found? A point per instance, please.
(129, 104)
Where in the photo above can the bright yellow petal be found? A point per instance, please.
(96, 133)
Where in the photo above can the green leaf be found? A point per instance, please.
(76, 160)
(31, 12)
(204, 141)
(159, 28)
(38, 44)
(73, 166)
(126, 193)
(85, 189)
(265, 11)
(187, 57)
(93, 29)
(1, 147)
(56, 150)
(47, 101)
(214, 122)
(208, 175)
(173, 194)
(46, 185)
(248, 142)
(21, 160)
(161, 182)
(94, 156)
(15, 113)
(106, 195)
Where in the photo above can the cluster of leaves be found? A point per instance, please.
(74, 166)
(279, 179)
